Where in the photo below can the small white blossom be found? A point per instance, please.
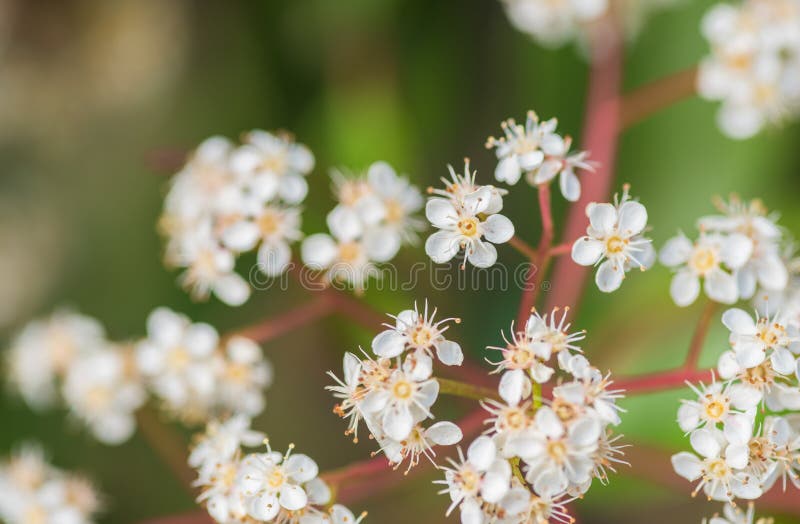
(104, 390)
(732, 514)
(713, 257)
(554, 23)
(33, 491)
(467, 221)
(44, 350)
(615, 241)
(754, 65)
(538, 151)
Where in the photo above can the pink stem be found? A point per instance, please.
(653, 382)
(294, 318)
(600, 136)
(699, 336)
(537, 271)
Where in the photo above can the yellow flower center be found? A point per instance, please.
(269, 222)
(421, 336)
(715, 410)
(564, 410)
(349, 252)
(468, 227)
(615, 245)
(718, 469)
(557, 451)
(178, 358)
(703, 260)
(402, 389)
(394, 211)
(276, 478)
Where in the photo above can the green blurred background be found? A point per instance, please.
(95, 95)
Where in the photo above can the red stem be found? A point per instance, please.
(699, 336)
(600, 136)
(537, 271)
(671, 379)
(294, 318)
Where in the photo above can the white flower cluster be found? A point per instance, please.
(33, 491)
(239, 488)
(467, 217)
(104, 383)
(536, 150)
(737, 254)
(69, 354)
(230, 199)
(615, 241)
(739, 427)
(373, 218)
(554, 23)
(197, 375)
(395, 393)
(735, 515)
(538, 453)
(754, 66)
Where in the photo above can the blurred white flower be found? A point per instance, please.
(104, 390)
(42, 353)
(615, 238)
(754, 65)
(734, 514)
(712, 257)
(33, 491)
(554, 23)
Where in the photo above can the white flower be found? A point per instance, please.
(520, 150)
(243, 374)
(483, 477)
(337, 514)
(721, 475)
(272, 482)
(712, 407)
(753, 341)
(765, 268)
(343, 260)
(754, 67)
(536, 150)
(467, 222)
(614, 236)
(403, 402)
(558, 456)
(221, 443)
(712, 257)
(400, 201)
(554, 23)
(210, 269)
(33, 491)
(280, 162)
(44, 350)
(272, 226)
(103, 390)
(177, 359)
(732, 514)
(420, 442)
(420, 333)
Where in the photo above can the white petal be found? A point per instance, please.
(632, 218)
(241, 236)
(609, 276)
(481, 453)
(513, 385)
(398, 424)
(498, 229)
(739, 321)
(735, 250)
(772, 272)
(684, 288)
(440, 212)
(508, 170)
(292, 497)
(704, 442)
(301, 468)
(676, 251)
(444, 433)
(274, 258)
(687, 465)
(570, 185)
(442, 246)
(232, 289)
(293, 188)
(721, 287)
(318, 251)
(483, 254)
(587, 251)
(381, 243)
(389, 343)
(603, 217)
(449, 353)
